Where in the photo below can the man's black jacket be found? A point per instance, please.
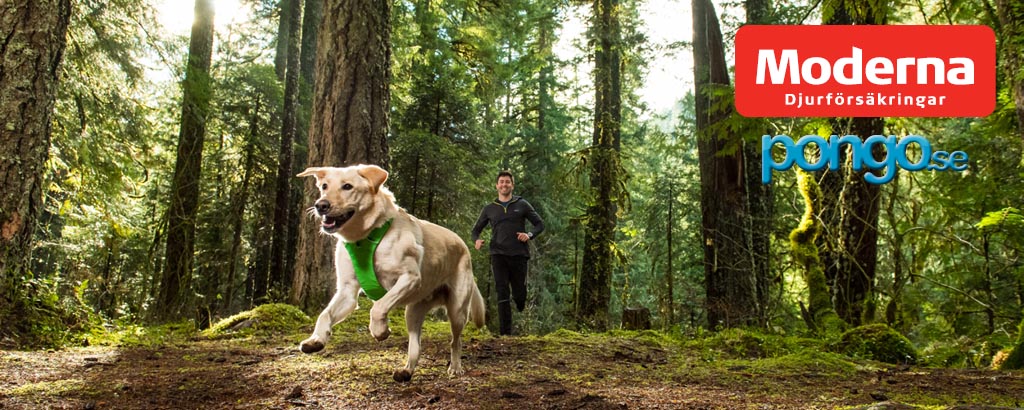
(505, 221)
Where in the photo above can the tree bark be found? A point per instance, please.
(279, 279)
(850, 205)
(259, 273)
(35, 35)
(181, 226)
(818, 314)
(239, 203)
(311, 16)
(349, 122)
(760, 197)
(1011, 44)
(594, 292)
(850, 209)
(728, 265)
(281, 47)
(670, 313)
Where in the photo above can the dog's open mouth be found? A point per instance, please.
(331, 223)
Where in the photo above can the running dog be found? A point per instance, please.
(415, 263)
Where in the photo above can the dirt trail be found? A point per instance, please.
(519, 373)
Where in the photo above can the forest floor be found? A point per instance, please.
(561, 370)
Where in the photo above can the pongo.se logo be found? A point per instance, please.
(865, 71)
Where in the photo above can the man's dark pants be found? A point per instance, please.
(509, 271)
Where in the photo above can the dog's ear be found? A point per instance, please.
(376, 175)
(318, 172)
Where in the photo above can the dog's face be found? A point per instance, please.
(345, 192)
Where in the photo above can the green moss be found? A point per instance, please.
(928, 400)
(877, 342)
(822, 317)
(751, 344)
(650, 338)
(153, 336)
(825, 363)
(276, 318)
(564, 334)
(51, 388)
(1015, 360)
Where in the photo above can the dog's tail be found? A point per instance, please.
(476, 307)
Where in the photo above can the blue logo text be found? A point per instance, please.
(895, 155)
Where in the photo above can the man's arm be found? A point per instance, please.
(480, 224)
(534, 218)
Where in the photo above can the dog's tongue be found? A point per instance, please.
(328, 222)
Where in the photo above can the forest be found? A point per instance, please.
(150, 210)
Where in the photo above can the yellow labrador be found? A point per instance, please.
(420, 265)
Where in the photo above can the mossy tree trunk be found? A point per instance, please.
(34, 33)
(850, 205)
(594, 292)
(821, 318)
(1011, 50)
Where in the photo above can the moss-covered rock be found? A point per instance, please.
(276, 318)
(1015, 359)
(877, 342)
(745, 344)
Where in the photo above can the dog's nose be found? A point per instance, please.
(322, 206)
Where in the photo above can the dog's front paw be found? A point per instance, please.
(402, 375)
(379, 330)
(311, 345)
(454, 371)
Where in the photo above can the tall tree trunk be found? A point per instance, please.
(594, 292)
(760, 197)
(893, 314)
(105, 301)
(311, 15)
(1011, 45)
(279, 279)
(34, 33)
(153, 254)
(281, 46)
(728, 265)
(181, 226)
(670, 313)
(850, 205)
(850, 209)
(349, 124)
(259, 273)
(241, 199)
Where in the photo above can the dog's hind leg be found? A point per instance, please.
(414, 315)
(457, 316)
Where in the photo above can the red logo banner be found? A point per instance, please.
(865, 71)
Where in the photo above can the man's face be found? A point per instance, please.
(505, 185)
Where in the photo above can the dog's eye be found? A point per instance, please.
(323, 187)
(346, 187)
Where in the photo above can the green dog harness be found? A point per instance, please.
(361, 253)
